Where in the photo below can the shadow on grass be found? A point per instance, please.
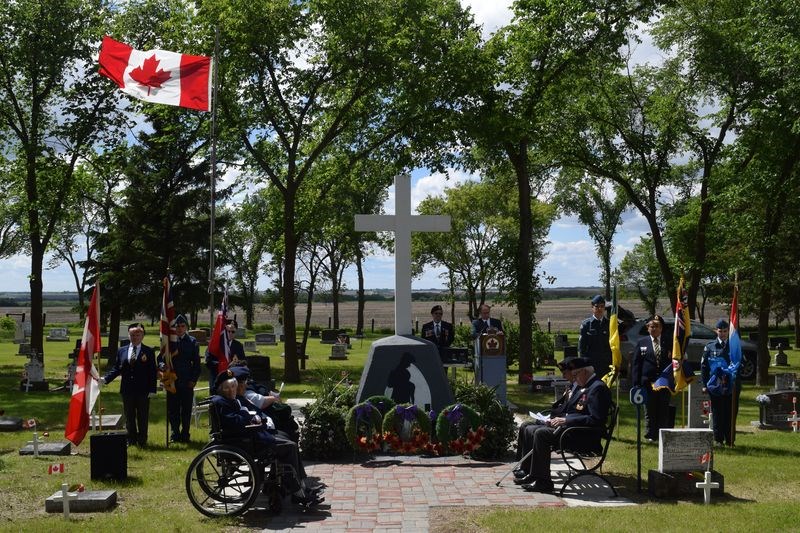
(626, 485)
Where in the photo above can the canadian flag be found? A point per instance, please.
(56, 468)
(157, 75)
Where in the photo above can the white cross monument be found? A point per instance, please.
(402, 223)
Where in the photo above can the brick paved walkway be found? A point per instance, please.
(396, 493)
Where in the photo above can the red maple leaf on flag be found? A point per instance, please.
(149, 75)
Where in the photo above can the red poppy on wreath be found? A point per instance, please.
(458, 429)
(363, 427)
(406, 429)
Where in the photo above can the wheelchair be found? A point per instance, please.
(229, 474)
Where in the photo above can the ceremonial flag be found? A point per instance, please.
(614, 342)
(85, 390)
(218, 345)
(158, 76)
(734, 341)
(680, 338)
(168, 336)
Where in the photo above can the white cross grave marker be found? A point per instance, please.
(402, 223)
(35, 442)
(707, 485)
(67, 497)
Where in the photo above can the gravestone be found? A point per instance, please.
(26, 327)
(405, 368)
(338, 352)
(329, 336)
(250, 346)
(58, 335)
(123, 332)
(200, 335)
(684, 455)
(48, 448)
(560, 341)
(785, 381)
(314, 332)
(779, 342)
(549, 384)
(88, 501)
(277, 329)
(108, 421)
(241, 333)
(699, 405)
(19, 332)
(10, 423)
(774, 411)
(267, 339)
(259, 368)
(570, 351)
(780, 358)
(24, 348)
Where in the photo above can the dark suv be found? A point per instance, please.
(701, 335)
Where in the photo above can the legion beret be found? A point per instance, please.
(579, 362)
(722, 324)
(136, 325)
(564, 363)
(598, 299)
(224, 376)
(180, 319)
(657, 318)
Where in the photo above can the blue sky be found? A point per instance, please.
(571, 255)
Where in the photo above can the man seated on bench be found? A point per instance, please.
(588, 406)
(526, 430)
(238, 417)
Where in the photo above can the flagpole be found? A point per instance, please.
(214, 69)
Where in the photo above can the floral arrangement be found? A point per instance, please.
(416, 439)
(363, 427)
(458, 429)
(762, 398)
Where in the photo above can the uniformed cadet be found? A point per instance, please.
(721, 391)
(186, 364)
(593, 342)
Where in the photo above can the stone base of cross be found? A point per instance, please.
(707, 485)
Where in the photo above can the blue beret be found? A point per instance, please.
(224, 376)
(180, 319)
(722, 324)
(598, 299)
(241, 373)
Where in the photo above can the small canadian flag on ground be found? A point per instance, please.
(158, 76)
(56, 468)
(31, 422)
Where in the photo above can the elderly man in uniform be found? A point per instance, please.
(593, 342)
(724, 407)
(437, 330)
(650, 356)
(588, 406)
(186, 364)
(237, 416)
(136, 363)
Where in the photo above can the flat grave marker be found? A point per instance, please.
(47, 448)
(88, 501)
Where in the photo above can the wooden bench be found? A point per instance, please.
(587, 463)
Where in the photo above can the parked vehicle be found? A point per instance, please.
(701, 335)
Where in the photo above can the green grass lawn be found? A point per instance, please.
(762, 473)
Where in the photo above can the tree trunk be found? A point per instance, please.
(360, 272)
(37, 303)
(797, 325)
(291, 369)
(309, 306)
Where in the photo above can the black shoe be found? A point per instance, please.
(539, 486)
(175, 438)
(520, 472)
(524, 480)
(309, 500)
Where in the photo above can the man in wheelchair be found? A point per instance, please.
(239, 418)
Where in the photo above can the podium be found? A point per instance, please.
(490, 362)
(108, 455)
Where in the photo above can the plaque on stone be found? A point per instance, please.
(58, 335)
(88, 501)
(200, 336)
(406, 369)
(338, 352)
(250, 346)
(699, 405)
(683, 450)
(329, 336)
(785, 381)
(267, 339)
(47, 448)
(34, 370)
(776, 407)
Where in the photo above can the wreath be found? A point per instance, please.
(459, 430)
(383, 403)
(415, 440)
(363, 427)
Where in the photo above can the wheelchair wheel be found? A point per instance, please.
(222, 481)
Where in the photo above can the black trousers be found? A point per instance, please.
(723, 417)
(543, 439)
(137, 413)
(656, 413)
(525, 443)
(179, 406)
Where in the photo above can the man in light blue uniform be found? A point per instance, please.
(724, 406)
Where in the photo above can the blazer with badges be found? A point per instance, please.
(445, 337)
(588, 407)
(479, 326)
(644, 368)
(138, 376)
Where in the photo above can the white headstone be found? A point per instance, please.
(684, 450)
(19, 332)
(698, 405)
(34, 370)
(402, 223)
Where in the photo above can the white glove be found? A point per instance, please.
(101, 382)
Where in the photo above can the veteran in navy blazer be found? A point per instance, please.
(437, 330)
(588, 406)
(136, 366)
(647, 365)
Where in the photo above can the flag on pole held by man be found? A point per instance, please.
(614, 342)
(734, 340)
(676, 376)
(168, 336)
(85, 389)
(158, 76)
(219, 345)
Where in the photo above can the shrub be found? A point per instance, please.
(7, 324)
(496, 418)
(461, 335)
(322, 435)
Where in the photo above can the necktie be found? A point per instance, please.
(657, 351)
(133, 354)
(438, 330)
